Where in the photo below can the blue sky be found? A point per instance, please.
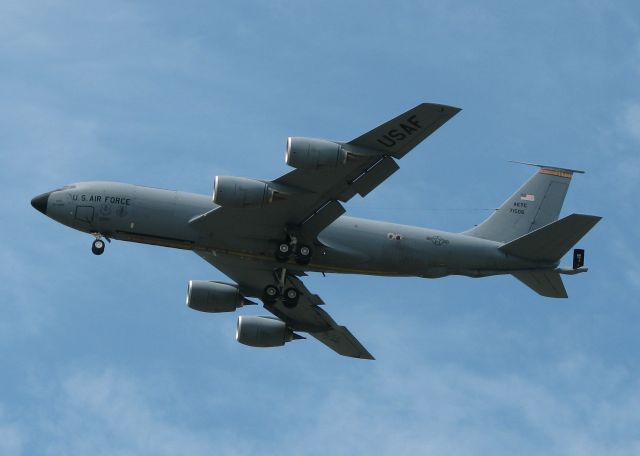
(100, 354)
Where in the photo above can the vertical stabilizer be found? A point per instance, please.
(534, 205)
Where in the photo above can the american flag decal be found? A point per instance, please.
(527, 197)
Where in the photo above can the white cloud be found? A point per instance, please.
(11, 438)
(430, 409)
(450, 410)
(24, 313)
(631, 121)
(624, 248)
(111, 413)
(43, 145)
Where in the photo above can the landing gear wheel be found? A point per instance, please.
(283, 252)
(303, 256)
(290, 297)
(97, 247)
(270, 294)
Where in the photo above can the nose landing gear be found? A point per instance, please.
(97, 248)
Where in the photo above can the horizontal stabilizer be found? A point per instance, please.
(552, 241)
(545, 283)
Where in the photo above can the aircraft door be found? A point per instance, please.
(84, 214)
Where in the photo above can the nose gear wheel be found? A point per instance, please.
(97, 247)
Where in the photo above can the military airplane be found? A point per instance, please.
(265, 235)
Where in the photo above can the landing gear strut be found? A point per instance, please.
(302, 252)
(98, 245)
(271, 293)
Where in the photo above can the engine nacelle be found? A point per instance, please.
(230, 191)
(263, 332)
(309, 153)
(213, 296)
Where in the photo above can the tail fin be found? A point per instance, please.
(534, 205)
(549, 244)
(552, 241)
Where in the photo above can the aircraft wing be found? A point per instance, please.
(306, 316)
(311, 197)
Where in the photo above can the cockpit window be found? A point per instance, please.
(66, 187)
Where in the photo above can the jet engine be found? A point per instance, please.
(214, 296)
(309, 153)
(241, 192)
(263, 332)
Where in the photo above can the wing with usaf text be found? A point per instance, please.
(308, 199)
(306, 316)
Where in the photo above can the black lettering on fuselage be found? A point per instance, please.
(123, 201)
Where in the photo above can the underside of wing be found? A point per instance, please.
(340, 340)
(306, 315)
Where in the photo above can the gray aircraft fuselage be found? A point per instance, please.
(264, 235)
(349, 245)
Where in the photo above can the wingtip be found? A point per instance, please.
(443, 107)
(366, 355)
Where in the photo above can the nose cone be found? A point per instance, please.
(40, 202)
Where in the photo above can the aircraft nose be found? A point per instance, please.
(40, 202)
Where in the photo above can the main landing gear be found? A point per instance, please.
(302, 252)
(98, 245)
(272, 293)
